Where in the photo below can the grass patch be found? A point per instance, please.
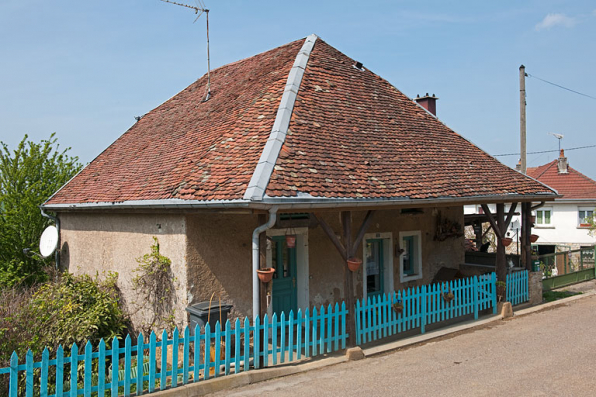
(550, 296)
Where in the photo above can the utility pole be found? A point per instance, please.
(522, 117)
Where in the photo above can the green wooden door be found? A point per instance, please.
(284, 279)
(374, 267)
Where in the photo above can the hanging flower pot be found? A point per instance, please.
(398, 307)
(354, 264)
(533, 238)
(506, 241)
(266, 274)
(291, 240)
(448, 297)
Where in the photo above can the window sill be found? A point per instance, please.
(410, 277)
(543, 227)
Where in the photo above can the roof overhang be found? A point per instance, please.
(297, 203)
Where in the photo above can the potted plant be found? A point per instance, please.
(506, 241)
(501, 291)
(265, 274)
(398, 306)
(448, 297)
(354, 264)
(533, 238)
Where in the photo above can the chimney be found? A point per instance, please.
(428, 102)
(518, 166)
(562, 163)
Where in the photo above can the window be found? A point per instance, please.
(585, 216)
(543, 217)
(411, 256)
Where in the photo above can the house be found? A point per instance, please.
(300, 140)
(563, 224)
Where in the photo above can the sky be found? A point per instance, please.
(85, 69)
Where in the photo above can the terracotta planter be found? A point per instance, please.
(448, 297)
(398, 307)
(266, 274)
(533, 238)
(291, 241)
(354, 264)
(506, 241)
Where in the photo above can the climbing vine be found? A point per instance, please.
(155, 286)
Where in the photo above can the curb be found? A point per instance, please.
(247, 378)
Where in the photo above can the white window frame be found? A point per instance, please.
(418, 258)
(544, 209)
(579, 219)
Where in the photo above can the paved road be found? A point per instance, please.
(549, 353)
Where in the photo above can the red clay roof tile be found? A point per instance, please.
(573, 185)
(351, 135)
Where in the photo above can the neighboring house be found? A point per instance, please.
(563, 224)
(299, 140)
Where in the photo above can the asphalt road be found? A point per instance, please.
(548, 353)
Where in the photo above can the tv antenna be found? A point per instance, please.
(200, 10)
(559, 137)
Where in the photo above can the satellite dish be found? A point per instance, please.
(48, 241)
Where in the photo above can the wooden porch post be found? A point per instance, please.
(526, 253)
(346, 220)
(347, 250)
(501, 262)
(500, 225)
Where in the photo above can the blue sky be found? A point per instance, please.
(85, 69)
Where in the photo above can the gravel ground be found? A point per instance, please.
(548, 353)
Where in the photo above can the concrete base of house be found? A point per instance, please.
(535, 287)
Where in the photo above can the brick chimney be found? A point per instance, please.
(428, 102)
(562, 163)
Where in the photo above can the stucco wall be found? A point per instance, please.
(564, 227)
(326, 265)
(98, 242)
(220, 259)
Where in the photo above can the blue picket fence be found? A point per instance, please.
(517, 287)
(144, 367)
(389, 314)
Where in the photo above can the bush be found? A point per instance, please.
(73, 309)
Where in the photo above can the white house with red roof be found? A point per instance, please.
(298, 141)
(562, 224)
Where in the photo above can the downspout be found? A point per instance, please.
(57, 221)
(255, 259)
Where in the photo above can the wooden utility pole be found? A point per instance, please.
(522, 117)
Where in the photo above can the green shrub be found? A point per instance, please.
(73, 309)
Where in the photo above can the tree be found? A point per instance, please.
(28, 177)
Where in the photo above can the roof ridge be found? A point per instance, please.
(262, 173)
(548, 165)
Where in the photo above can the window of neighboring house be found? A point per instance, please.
(411, 257)
(585, 216)
(543, 217)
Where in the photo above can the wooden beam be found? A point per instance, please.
(362, 231)
(492, 221)
(509, 216)
(331, 234)
(346, 220)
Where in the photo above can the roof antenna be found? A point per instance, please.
(200, 9)
(559, 137)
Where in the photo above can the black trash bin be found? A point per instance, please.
(200, 313)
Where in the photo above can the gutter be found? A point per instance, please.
(57, 221)
(255, 259)
(304, 202)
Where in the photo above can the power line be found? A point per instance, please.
(544, 151)
(560, 86)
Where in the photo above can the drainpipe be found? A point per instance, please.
(255, 259)
(57, 253)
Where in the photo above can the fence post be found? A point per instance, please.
(14, 375)
(29, 373)
(45, 361)
(493, 282)
(475, 296)
(423, 312)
